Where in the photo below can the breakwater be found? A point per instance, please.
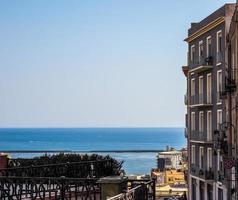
(92, 151)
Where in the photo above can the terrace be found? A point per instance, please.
(94, 180)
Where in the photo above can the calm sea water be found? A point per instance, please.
(89, 139)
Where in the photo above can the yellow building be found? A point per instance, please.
(174, 177)
(167, 191)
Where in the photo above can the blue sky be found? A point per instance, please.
(96, 63)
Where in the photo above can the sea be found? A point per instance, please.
(87, 140)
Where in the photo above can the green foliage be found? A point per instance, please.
(69, 165)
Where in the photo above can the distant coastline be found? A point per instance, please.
(93, 151)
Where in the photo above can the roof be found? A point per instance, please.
(170, 152)
(211, 21)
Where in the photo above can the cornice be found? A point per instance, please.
(205, 29)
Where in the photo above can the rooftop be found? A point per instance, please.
(221, 12)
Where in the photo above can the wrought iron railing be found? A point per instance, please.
(219, 57)
(93, 169)
(201, 99)
(201, 61)
(186, 99)
(48, 188)
(138, 190)
(201, 172)
(201, 136)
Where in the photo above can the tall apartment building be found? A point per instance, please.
(206, 110)
(230, 94)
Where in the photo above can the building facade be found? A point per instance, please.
(231, 100)
(171, 159)
(206, 108)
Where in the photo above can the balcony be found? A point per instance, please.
(202, 173)
(200, 100)
(221, 176)
(219, 58)
(186, 133)
(202, 64)
(229, 85)
(200, 136)
(186, 99)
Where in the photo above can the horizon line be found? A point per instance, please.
(88, 127)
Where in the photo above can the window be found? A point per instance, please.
(209, 46)
(209, 158)
(200, 89)
(209, 125)
(194, 189)
(200, 51)
(201, 157)
(233, 57)
(193, 87)
(192, 55)
(220, 194)
(219, 118)
(219, 46)
(219, 41)
(219, 85)
(218, 159)
(192, 92)
(201, 121)
(193, 121)
(209, 88)
(193, 154)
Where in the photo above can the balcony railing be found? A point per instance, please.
(26, 188)
(84, 169)
(140, 190)
(202, 173)
(201, 64)
(229, 85)
(186, 99)
(186, 133)
(221, 176)
(48, 188)
(220, 95)
(201, 136)
(201, 100)
(219, 57)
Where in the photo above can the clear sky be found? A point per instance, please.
(95, 63)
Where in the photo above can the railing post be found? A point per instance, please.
(154, 188)
(62, 188)
(112, 186)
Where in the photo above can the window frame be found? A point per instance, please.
(192, 53)
(193, 154)
(201, 157)
(201, 121)
(208, 53)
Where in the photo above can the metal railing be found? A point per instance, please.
(201, 61)
(186, 133)
(219, 96)
(186, 99)
(200, 136)
(48, 188)
(93, 169)
(219, 57)
(201, 172)
(138, 190)
(173, 194)
(201, 99)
